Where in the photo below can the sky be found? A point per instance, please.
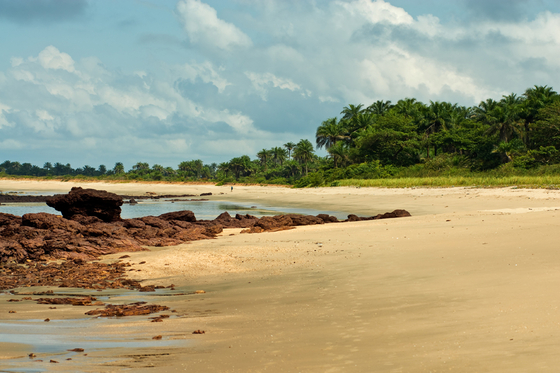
(91, 82)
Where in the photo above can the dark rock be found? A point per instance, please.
(327, 218)
(185, 215)
(134, 223)
(205, 194)
(51, 222)
(155, 222)
(305, 219)
(213, 229)
(269, 223)
(353, 217)
(128, 310)
(394, 214)
(9, 219)
(86, 220)
(88, 202)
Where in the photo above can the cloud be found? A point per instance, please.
(70, 103)
(4, 109)
(52, 58)
(203, 26)
(204, 71)
(261, 82)
(377, 12)
(45, 11)
(222, 93)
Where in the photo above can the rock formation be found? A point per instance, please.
(91, 226)
(88, 202)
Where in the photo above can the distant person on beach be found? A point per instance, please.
(232, 188)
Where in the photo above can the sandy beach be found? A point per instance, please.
(467, 284)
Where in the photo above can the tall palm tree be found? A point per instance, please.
(224, 167)
(437, 118)
(303, 153)
(351, 111)
(240, 166)
(118, 169)
(264, 156)
(290, 146)
(503, 117)
(379, 107)
(357, 125)
(278, 155)
(329, 132)
(536, 98)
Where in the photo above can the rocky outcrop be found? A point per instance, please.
(88, 202)
(91, 226)
(45, 236)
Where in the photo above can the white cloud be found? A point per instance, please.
(308, 59)
(44, 115)
(262, 81)
(203, 26)
(377, 11)
(206, 72)
(3, 121)
(16, 61)
(52, 58)
(240, 123)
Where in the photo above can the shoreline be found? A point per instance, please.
(465, 284)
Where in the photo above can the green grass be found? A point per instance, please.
(544, 181)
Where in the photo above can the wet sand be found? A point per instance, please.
(467, 284)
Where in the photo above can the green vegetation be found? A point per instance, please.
(513, 141)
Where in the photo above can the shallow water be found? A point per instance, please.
(207, 210)
(52, 340)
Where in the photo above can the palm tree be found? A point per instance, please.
(329, 132)
(339, 153)
(224, 167)
(536, 98)
(292, 167)
(379, 107)
(351, 110)
(504, 117)
(119, 168)
(141, 166)
(355, 126)
(289, 146)
(303, 153)
(88, 170)
(264, 155)
(158, 168)
(278, 155)
(240, 166)
(437, 117)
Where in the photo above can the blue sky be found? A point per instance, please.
(100, 81)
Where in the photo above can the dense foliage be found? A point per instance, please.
(406, 139)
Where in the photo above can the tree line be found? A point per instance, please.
(383, 139)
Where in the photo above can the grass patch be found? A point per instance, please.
(543, 181)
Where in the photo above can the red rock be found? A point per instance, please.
(185, 215)
(88, 202)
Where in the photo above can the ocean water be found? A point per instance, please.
(207, 210)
